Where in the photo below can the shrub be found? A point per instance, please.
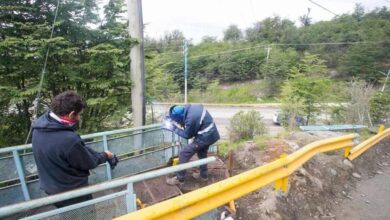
(244, 126)
(380, 107)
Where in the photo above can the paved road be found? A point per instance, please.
(370, 200)
(222, 115)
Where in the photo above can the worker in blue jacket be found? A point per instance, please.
(192, 121)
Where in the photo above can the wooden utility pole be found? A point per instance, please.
(134, 11)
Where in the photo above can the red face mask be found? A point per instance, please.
(67, 121)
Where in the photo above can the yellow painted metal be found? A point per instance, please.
(285, 184)
(232, 206)
(204, 199)
(140, 204)
(347, 151)
(367, 144)
(175, 161)
(381, 128)
(278, 184)
(282, 183)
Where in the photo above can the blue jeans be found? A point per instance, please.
(185, 155)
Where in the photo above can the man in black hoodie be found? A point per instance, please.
(62, 159)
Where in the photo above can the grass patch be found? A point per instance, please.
(250, 92)
(225, 146)
(261, 141)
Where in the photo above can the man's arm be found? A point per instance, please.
(84, 158)
(190, 129)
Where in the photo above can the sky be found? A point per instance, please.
(198, 18)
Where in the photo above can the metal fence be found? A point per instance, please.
(139, 149)
(105, 207)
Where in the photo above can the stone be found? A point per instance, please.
(333, 172)
(379, 172)
(347, 163)
(320, 210)
(356, 175)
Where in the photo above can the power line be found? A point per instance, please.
(43, 71)
(323, 8)
(226, 52)
(297, 44)
(266, 45)
(156, 48)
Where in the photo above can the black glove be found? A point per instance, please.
(113, 162)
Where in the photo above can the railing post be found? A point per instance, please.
(347, 151)
(19, 169)
(108, 168)
(131, 200)
(381, 128)
(281, 183)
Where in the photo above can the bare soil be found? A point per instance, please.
(318, 189)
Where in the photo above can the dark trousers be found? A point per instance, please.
(185, 155)
(71, 201)
(87, 212)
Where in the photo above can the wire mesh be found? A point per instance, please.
(107, 209)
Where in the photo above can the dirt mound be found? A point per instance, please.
(275, 148)
(302, 138)
(315, 189)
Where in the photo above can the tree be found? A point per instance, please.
(273, 30)
(358, 13)
(173, 38)
(307, 87)
(209, 39)
(380, 107)
(277, 69)
(92, 61)
(232, 33)
(305, 19)
(24, 38)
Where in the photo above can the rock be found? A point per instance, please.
(302, 172)
(356, 175)
(320, 210)
(333, 172)
(385, 164)
(368, 202)
(317, 183)
(347, 163)
(379, 172)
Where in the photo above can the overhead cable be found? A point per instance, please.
(323, 7)
(43, 71)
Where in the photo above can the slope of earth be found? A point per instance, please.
(321, 188)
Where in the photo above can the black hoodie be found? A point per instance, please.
(62, 159)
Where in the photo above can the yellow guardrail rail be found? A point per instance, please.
(207, 198)
(367, 144)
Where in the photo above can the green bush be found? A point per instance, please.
(244, 126)
(380, 107)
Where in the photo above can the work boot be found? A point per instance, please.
(174, 181)
(197, 176)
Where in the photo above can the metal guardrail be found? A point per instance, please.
(202, 200)
(18, 175)
(20, 207)
(367, 144)
(94, 135)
